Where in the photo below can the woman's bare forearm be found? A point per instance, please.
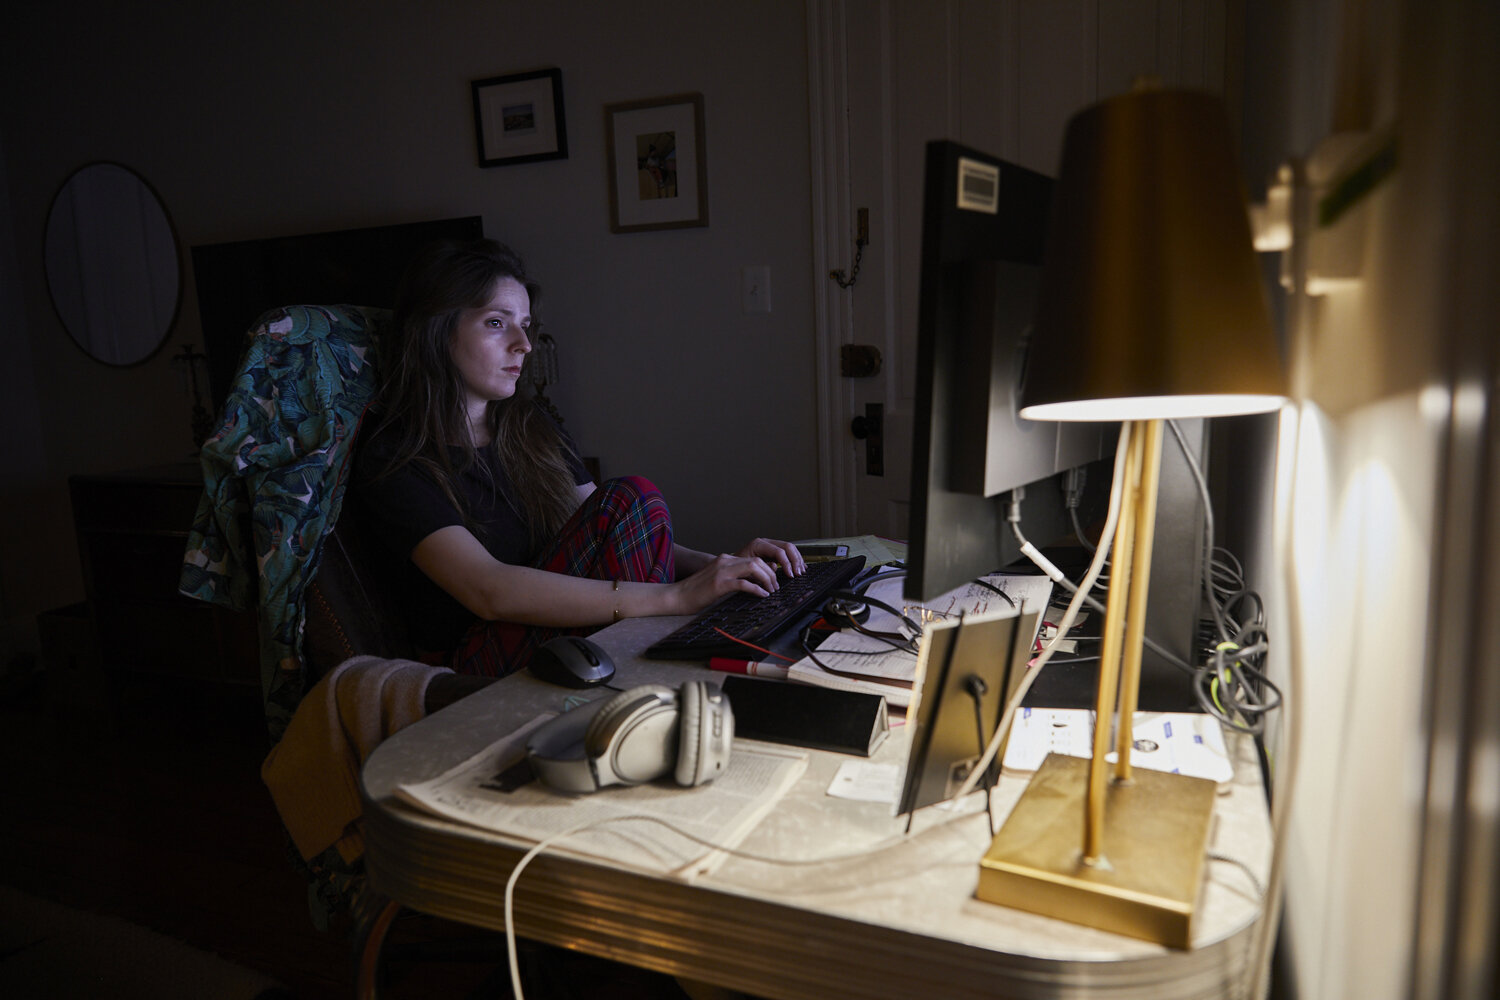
(495, 591)
(688, 561)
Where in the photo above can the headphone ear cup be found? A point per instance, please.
(633, 739)
(706, 731)
(596, 739)
(690, 705)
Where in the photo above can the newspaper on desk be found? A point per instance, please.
(890, 672)
(641, 826)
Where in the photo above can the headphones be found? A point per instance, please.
(636, 736)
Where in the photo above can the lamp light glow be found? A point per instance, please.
(1181, 407)
(1151, 288)
(1151, 308)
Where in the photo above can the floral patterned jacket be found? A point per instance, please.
(274, 475)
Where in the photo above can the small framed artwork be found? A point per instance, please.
(658, 170)
(519, 118)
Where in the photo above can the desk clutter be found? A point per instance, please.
(780, 846)
(724, 747)
(867, 660)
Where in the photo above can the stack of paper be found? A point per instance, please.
(853, 661)
(876, 550)
(1177, 742)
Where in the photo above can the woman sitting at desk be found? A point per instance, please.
(503, 540)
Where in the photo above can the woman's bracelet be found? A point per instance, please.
(618, 616)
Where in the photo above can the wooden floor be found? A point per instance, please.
(159, 817)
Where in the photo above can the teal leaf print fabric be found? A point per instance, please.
(274, 474)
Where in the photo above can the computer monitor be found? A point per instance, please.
(984, 228)
(238, 282)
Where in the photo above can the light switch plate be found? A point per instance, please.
(756, 289)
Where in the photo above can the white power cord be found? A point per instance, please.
(1046, 566)
(526, 859)
(1283, 786)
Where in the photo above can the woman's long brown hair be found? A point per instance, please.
(422, 399)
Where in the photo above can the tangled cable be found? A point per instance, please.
(1230, 683)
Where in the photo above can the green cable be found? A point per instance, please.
(1213, 686)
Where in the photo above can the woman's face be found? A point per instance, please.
(489, 345)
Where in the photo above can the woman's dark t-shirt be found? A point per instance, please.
(404, 507)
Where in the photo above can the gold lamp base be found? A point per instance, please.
(1145, 885)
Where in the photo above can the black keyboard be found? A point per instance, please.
(758, 620)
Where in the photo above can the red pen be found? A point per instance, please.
(728, 666)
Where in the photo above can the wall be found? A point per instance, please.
(282, 117)
(24, 466)
(1387, 371)
(1001, 76)
(1342, 518)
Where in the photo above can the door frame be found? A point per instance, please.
(832, 211)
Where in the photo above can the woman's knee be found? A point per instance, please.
(631, 498)
(633, 488)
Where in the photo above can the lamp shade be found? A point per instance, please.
(1151, 303)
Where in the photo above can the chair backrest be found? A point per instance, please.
(349, 608)
(275, 472)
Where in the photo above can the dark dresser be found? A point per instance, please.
(132, 528)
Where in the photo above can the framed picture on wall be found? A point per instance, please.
(658, 168)
(519, 118)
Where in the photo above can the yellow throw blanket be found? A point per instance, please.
(313, 772)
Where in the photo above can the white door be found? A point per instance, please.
(886, 77)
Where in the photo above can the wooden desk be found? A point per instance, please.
(899, 923)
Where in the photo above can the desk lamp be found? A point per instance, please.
(1151, 308)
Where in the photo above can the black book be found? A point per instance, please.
(807, 716)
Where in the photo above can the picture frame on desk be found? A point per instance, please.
(658, 164)
(967, 670)
(519, 118)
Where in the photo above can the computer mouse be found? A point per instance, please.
(572, 661)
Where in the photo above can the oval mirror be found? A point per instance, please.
(112, 264)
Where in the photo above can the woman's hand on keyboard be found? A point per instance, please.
(722, 575)
(776, 553)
